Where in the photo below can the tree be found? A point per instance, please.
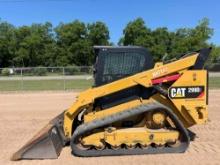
(75, 41)
(161, 41)
(191, 39)
(215, 54)
(98, 33)
(34, 45)
(136, 33)
(72, 43)
(7, 44)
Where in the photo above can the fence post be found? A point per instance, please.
(22, 81)
(64, 81)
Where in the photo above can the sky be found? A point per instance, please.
(115, 13)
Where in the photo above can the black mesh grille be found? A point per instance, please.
(127, 63)
(116, 63)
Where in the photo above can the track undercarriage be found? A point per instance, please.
(158, 131)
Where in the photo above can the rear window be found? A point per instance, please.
(114, 64)
(123, 63)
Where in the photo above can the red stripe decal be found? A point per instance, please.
(165, 79)
(201, 95)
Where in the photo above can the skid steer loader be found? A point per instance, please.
(135, 107)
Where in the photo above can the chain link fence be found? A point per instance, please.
(213, 67)
(46, 78)
(65, 78)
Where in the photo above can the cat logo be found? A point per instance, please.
(187, 92)
(177, 92)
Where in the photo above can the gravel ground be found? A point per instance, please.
(23, 114)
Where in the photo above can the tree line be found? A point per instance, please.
(72, 43)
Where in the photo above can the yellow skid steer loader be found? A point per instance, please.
(134, 107)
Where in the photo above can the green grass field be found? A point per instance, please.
(38, 85)
(78, 84)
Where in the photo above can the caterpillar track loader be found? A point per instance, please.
(134, 107)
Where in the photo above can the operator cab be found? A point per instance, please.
(113, 62)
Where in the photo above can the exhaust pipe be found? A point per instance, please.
(46, 144)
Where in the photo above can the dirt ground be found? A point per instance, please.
(23, 114)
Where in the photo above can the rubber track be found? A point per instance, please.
(88, 127)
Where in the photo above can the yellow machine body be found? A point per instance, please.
(191, 111)
(161, 120)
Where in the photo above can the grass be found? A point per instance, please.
(214, 82)
(38, 85)
(78, 84)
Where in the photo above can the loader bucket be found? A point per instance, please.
(46, 144)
